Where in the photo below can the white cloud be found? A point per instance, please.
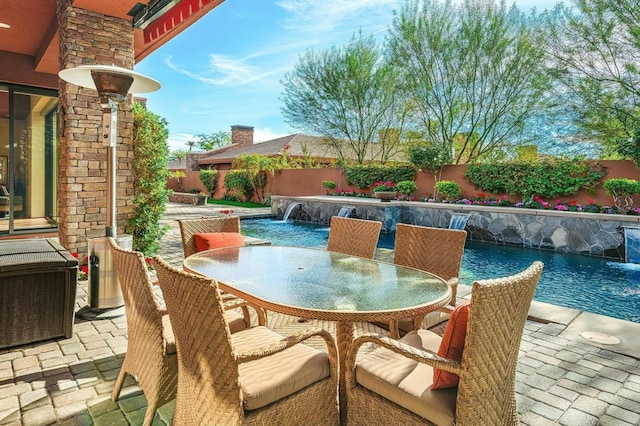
(178, 141)
(225, 70)
(266, 134)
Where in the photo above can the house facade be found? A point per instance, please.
(53, 165)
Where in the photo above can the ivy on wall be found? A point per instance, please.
(547, 178)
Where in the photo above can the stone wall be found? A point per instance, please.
(590, 234)
(87, 38)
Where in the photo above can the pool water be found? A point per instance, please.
(590, 284)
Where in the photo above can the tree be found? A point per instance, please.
(429, 158)
(594, 53)
(180, 155)
(472, 70)
(210, 141)
(191, 145)
(149, 168)
(348, 95)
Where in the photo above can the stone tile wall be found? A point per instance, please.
(87, 38)
(598, 235)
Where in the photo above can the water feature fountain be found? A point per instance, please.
(289, 210)
(346, 211)
(459, 221)
(632, 245)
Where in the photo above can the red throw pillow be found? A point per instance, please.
(451, 346)
(215, 240)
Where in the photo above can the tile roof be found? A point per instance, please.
(298, 143)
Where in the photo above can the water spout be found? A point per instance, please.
(632, 245)
(346, 211)
(459, 221)
(289, 210)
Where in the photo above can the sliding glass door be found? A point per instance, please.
(28, 159)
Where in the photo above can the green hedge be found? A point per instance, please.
(365, 176)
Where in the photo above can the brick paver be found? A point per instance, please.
(559, 381)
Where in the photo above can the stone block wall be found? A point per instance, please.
(598, 235)
(87, 38)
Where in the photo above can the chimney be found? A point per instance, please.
(242, 135)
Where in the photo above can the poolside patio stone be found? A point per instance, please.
(561, 377)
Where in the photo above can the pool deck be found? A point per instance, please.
(562, 377)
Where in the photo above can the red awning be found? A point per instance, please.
(172, 18)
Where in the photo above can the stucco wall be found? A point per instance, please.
(304, 182)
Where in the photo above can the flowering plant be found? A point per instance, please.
(83, 269)
(227, 211)
(387, 186)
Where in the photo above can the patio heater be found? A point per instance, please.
(113, 84)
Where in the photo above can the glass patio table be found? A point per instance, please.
(319, 284)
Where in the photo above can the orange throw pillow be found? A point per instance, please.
(451, 346)
(214, 240)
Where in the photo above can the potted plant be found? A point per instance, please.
(329, 185)
(202, 199)
(384, 191)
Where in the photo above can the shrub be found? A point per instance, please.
(549, 178)
(449, 189)
(149, 169)
(622, 190)
(329, 184)
(209, 179)
(238, 185)
(364, 177)
(406, 187)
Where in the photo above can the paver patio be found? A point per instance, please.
(562, 378)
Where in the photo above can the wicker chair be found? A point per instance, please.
(435, 250)
(151, 349)
(393, 383)
(190, 227)
(356, 237)
(254, 376)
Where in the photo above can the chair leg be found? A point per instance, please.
(117, 387)
(150, 413)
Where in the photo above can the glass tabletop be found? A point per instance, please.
(318, 279)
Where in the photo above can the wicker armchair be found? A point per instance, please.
(393, 383)
(190, 227)
(151, 349)
(435, 250)
(254, 376)
(356, 237)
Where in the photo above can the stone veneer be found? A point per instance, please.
(87, 38)
(598, 235)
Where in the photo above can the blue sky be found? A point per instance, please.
(227, 68)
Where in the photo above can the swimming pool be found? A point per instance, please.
(590, 284)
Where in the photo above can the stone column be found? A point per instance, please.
(88, 38)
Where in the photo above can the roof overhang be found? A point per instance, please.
(33, 38)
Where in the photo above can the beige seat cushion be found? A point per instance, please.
(274, 377)
(407, 382)
(235, 319)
